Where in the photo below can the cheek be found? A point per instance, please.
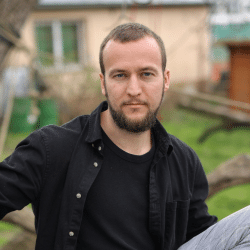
(155, 94)
(115, 94)
(116, 90)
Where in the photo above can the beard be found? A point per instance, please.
(132, 125)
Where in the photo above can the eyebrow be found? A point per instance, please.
(149, 68)
(116, 71)
(122, 71)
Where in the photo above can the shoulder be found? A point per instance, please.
(60, 138)
(181, 149)
(183, 158)
(68, 130)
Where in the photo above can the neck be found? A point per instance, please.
(133, 143)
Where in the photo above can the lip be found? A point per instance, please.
(134, 104)
(134, 107)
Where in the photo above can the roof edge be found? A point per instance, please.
(114, 5)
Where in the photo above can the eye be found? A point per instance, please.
(147, 74)
(120, 75)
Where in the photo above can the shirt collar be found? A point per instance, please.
(163, 140)
(94, 132)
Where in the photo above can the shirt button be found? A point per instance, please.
(95, 164)
(71, 234)
(100, 148)
(78, 196)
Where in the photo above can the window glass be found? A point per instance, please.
(69, 38)
(45, 44)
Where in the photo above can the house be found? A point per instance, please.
(231, 50)
(64, 36)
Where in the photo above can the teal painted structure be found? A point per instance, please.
(228, 33)
(235, 32)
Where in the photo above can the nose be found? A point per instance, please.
(134, 87)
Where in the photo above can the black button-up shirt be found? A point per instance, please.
(54, 168)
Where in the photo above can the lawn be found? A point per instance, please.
(7, 229)
(217, 149)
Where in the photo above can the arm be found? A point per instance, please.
(21, 174)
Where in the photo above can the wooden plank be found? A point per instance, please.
(211, 98)
(217, 107)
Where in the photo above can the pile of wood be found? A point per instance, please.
(233, 114)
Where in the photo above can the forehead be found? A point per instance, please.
(142, 51)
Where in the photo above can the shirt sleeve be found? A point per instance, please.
(21, 174)
(199, 218)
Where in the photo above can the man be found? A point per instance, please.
(115, 179)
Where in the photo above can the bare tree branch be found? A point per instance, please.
(22, 241)
(13, 15)
(23, 218)
(231, 173)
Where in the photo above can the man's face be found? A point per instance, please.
(134, 83)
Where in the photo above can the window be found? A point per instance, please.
(58, 44)
(234, 7)
(45, 45)
(246, 5)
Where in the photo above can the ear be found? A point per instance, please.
(166, 79)
(102, 78)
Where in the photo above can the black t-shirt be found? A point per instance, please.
(117, 206)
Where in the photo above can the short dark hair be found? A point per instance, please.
(131, 32)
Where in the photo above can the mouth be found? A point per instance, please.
(134, 105)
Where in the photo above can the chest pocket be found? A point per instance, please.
(176, 220)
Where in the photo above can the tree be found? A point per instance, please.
(230, 173)
(13, 14)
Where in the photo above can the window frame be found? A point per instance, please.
(57, 45)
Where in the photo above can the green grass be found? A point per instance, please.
(6, 232)
(11, 142)
(217, 149)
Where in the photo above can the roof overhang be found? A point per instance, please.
(100, 4)
(233, 43)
